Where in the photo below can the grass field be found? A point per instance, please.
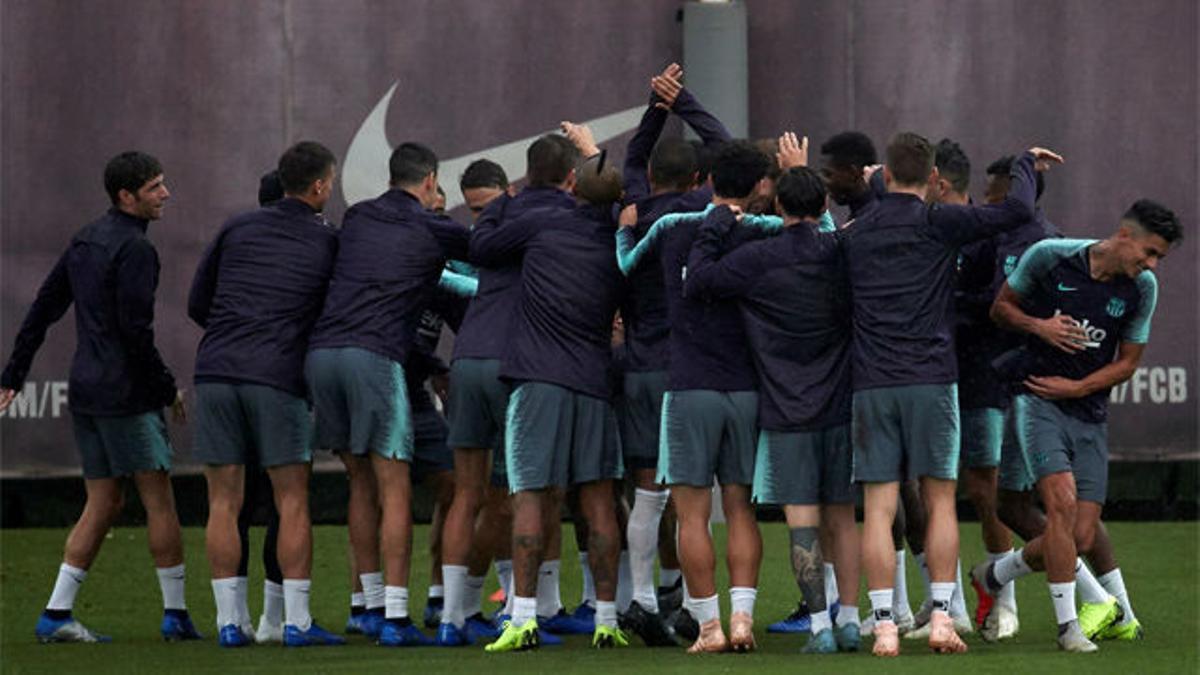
(121, 599)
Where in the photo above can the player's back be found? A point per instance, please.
(902, 276)
(270, 270)
(391, 252)
(486, 327)
(797, 318)
(571, 287)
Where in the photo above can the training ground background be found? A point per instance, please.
(121, 598)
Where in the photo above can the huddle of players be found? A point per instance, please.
(785, 357)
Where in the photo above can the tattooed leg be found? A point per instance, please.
(527, 542)
(604, 536)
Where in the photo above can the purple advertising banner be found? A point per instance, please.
(217, 89)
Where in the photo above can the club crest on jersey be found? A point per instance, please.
(1116, 307)
(1010, 264)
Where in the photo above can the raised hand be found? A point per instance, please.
(667, 85)
(793, 152)
(1043, 159)
(6, 397)
(582, 137)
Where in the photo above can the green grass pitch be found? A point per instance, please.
(121, 598)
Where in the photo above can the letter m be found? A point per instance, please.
(25, 403)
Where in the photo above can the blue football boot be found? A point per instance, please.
(402, 633)
(231, 635)
(796, 622)
(315, 636)
(67, 629)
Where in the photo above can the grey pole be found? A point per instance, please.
(715, 60)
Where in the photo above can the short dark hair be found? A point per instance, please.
(1156, 219)
(909, 158)
(770, 147)
(673, 164)
(737, 168)
(850, 148)
(129, 171)
(270, 189)
(303, 163)
(550, 159)
(953, 165)
(801, 192)
(1003, 167)
(411, 163)
(483, 173)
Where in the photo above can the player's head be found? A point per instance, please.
(739, 170)
(843, 158)
(954, 174)
(763, 199)
(550, 162)
(270, 188)
(673, 165)
(306, 171)
(999, 180)
(909, 161)
(800, 193)
(597, 181)
(1146, 234)
(134, 182)
(481, 182)
(413, 168)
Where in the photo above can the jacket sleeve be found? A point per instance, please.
(53, 300)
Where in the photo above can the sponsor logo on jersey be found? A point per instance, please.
(1065, 288)
(1095, 334)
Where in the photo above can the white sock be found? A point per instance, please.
(881, 604)
(295, 603)
(472, 603)
(606, 613)
(831, 587)
(454, 579)
(940, 594)
(170, 580)
(588, 596)
(548, 599)
(1063, 597)
(435, 592)
(958, 604)
(820, 621)
(372, 583)
(357, 598)
(705, 609)
(243, 601)
(66, 586)
(1011, 567)
(923, 568)
(273, 602)
(847, 614)
(1115, 585)
(642, 534)
(395, 602)
(900, 604)
(741, 599)
(1086, 585)
(1008, 594)
(225, 595)
(668, 577)
(524, 609)
(624, 583)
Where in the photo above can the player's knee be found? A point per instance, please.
(1085, 537)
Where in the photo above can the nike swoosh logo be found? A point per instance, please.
(1066, 289)
(365, 173)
